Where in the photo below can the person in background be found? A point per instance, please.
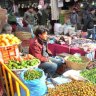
(12, 21)
(38, 48)
(89, 25)
(84, 14)
(74, 18)
(16, 9)
(94, 19)
(7, 28)
(42, 16)
(29, 19)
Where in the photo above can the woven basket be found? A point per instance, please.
(23, 35)
(78, 66)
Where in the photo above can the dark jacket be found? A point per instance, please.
(42, 17)
(94, 19)
(74, 18)
(36, 49)
(88, 22)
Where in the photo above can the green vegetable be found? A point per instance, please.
(90, 75)
(32, 74)
(75, 59)
(12, 64)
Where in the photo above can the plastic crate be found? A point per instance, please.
(8, 52)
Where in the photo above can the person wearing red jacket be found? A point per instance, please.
(38, 48)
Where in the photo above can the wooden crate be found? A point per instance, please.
(8, 52)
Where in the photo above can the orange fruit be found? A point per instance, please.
(2, 44)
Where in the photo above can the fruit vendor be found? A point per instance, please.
(38, 48)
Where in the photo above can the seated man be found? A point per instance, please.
(38, 48)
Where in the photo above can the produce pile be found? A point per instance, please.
(32, 74)
(89, 75)
(77, 59)
(84, 44)
(74, 88)
(8, 40)
(23, 64)
(80, 41)
(26, 61)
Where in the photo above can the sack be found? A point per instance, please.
(73, 74)
(58, 28)
(37, 87)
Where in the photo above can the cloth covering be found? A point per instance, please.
(58, 49)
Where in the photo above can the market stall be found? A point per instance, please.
(80, 72)
(21, 75)
(76, 81)
(23, 67)
(78, 45)
(12, 64)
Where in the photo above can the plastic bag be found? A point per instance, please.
(58, 28)
(73, 74)
(37, 87)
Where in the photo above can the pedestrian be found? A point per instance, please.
(29, 19)
(89, 24)
(74, 19)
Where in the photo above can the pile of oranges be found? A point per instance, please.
(73, 88)
(8, 39)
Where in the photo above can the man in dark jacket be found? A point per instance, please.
(38, 48)
(89, 23)
(42, 16)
